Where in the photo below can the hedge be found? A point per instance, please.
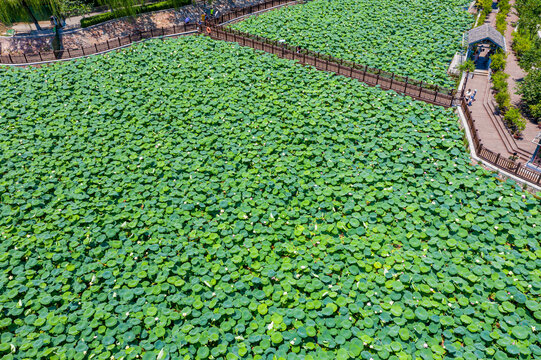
(96, 19)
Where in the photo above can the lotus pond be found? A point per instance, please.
(415, 38)
(193, 199)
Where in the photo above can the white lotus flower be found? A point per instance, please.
(161, 355)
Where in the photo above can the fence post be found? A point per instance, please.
(497, 158)
(517, 168)
(351, 71)
(377, 77)
(96, 47)
(436, 95)
(10, 59)
(392, 78)
(25, 59)
(420, 89)
(40, 57)
(406, 86)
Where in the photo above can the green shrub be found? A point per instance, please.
(521, 43)
(503, 100)
(486, 6)
(531, 58)
(504, 6)
(501, 22)
(481, 19)
(96, 19)
(467, 66)
(514, 120)
(535, 111)
(499, 81)
(530, 89)
(500, 76)
(499, 85)
(498, 61)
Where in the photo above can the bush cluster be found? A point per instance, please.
(527, 46)
(501, 18)
(512, 118)
(97, 19)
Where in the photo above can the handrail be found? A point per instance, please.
(494, 158)
(44, 57)
(370, 76)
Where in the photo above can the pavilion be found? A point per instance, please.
(482, 42)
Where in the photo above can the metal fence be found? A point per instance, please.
(386, 80)
(63, 54)
(496, 159)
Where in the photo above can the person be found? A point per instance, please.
(468, 94)
(473, 95)
(469, 101)
(187, 20)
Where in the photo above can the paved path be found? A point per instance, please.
(74, 37)
(489, 123)
(516, 75)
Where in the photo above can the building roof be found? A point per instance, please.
(486, 32)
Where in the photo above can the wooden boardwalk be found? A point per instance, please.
(488, 122)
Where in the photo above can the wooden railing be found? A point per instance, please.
(49, 56)
(370, 76)
(496, 159)
(235, 14)
(70, 53)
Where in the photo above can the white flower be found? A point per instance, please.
(425, 345)
(161, 355)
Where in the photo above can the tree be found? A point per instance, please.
(10, 8)
(66, 8)
(467, 66)
(530, 89)
(129, 7)
(530, 15)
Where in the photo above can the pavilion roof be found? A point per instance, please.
(486, 32)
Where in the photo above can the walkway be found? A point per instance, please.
(516, 75)
(491, 129)
(73, 36)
